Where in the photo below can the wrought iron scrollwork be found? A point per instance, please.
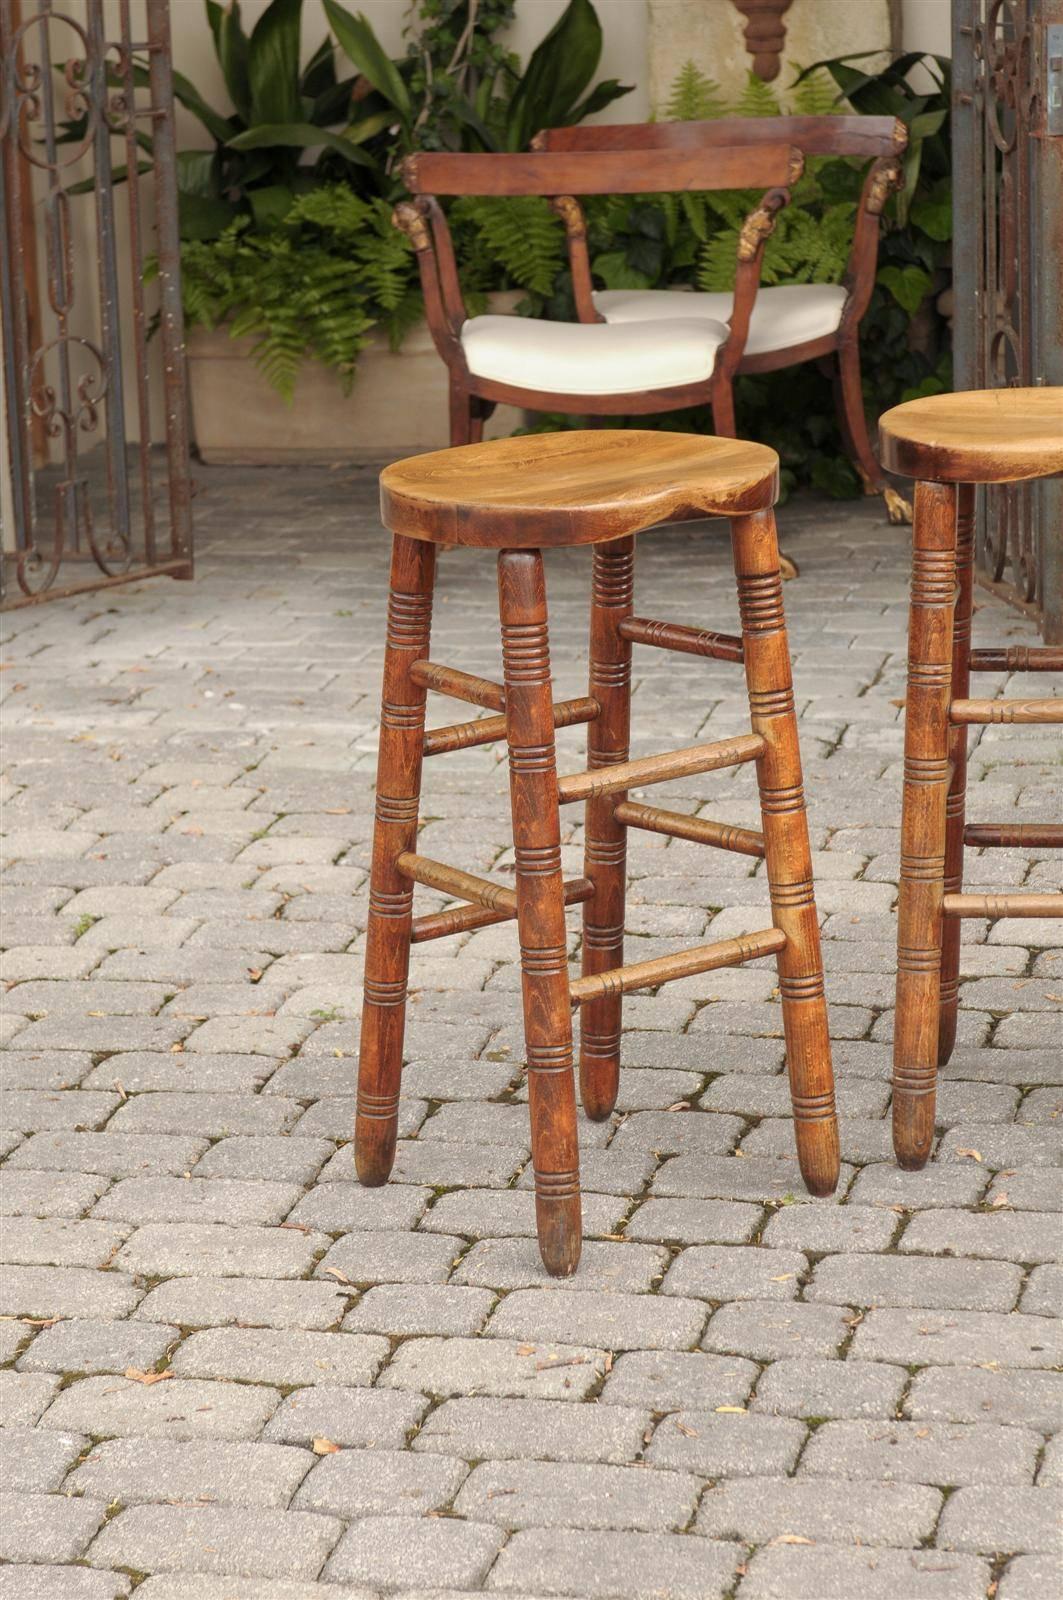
(75, 336)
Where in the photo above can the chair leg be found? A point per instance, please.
(387, 956)
(923, 822)
(540, 907)
(852, 420)
(723, 409)
(956, 805)
(605, 856)
(787, 852)
(461, 417)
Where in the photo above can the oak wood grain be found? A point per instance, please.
(976, 436)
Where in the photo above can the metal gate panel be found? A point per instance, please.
(99, 474)
(1008, 249)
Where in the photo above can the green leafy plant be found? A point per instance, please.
(459, 89)
(316, 284)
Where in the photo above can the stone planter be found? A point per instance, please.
(398, 404)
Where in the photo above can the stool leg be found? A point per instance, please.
(787, 853)
(605, 855)
(956, 805)
(926, 786)
(398, 788)
(540, 907)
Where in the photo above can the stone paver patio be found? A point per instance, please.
(233, 1374)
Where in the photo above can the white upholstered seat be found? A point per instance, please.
(782, 317)
(593, 358)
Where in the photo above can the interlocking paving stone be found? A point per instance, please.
(187, 1249)
(862, 1280)
(723, 1272)
(214, 1115)
(837, 1572)
(479, 1428)
(669, 1380)
(39, 1527)
(46, 1194)
(1000, 1236)
(721, 1446)
(771, 1330)
(61, 1583)
(217, 1539)
(346, 1207)
(111, 1155)
(24, 1396)
(35, 1110)
(1043, 1294)
(495, 1366)
(36, 1462)
(761, 1509)
(59, 1242)
(260, 1156)
(391, 1257)
(551, 1494)
(805, 1387)
(177, 1409)
(957, 1338)
(227, 1200)
(968, 1394)
(922, 1452)
(620, 1566)
(359, 1418)
(135, 1470)
(400, 1309)
(262, 1355)
(1002, 1518)
(385, 1483)
(694, 1222)
(1030, 1577)
(268, 1303)
(886, 1184)
(77, 1345)
(383, 1551)
(615, 1321)
(828, 1228)
(66, 1292)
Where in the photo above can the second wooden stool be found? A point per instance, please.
(949, 443)
(517, 496)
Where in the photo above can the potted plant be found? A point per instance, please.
(305, 334)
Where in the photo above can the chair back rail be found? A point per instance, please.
(761, 166)
(816, 136)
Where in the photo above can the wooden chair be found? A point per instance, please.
(949, 444)
(591, 367)
(516, 496)
(789, 323)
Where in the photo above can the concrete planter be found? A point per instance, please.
(398, 404)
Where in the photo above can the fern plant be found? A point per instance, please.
(315, 285)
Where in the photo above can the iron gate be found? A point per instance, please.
(1008, 249)
(94, 500)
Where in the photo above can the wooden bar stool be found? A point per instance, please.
(517, 496)
(950, 443)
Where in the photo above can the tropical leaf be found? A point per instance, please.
(558, 71)
(273, 64)
(358, 41)
(231, 48)
(301, 136)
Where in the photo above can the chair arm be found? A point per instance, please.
(423, 223)
(570, 211)
(753, 237)
(885, 176)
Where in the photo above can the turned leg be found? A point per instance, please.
(387, 955)
(852, 419)
(605, 855)
(926, 787)
(956, 804)
(787, 853)
(540, 907)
